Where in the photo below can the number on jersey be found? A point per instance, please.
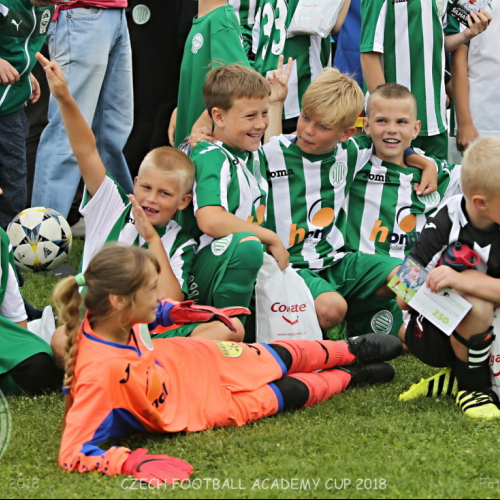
(274, 21)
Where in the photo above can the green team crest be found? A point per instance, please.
(5, 424)
(221, 245)
(338, 173)
(141, 14)
(431, 200)
(382, 322)
(198, 42)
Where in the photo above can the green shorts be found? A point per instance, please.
(357, 277)
(18, 344)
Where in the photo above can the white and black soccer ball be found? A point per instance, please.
(41, 239)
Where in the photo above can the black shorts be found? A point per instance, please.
(428, 343)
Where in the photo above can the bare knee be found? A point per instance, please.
(479, 319)
(219, 331)
(58, 344)
(239, 334)
(331, 309)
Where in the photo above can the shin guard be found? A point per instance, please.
(309, 356)
(324, 385)
(474, 375)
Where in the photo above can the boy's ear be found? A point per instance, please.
(366, 126)
(479, 202)
(218, 117)
(348, 133)
(417, 129)
(185, 201)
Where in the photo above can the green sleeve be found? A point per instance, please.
(212, 177)
(373, 14)
(182, 258)
(363, 142)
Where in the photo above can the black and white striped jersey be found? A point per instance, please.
(450, 225)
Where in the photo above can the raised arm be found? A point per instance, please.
(477, 24)
(80, 134)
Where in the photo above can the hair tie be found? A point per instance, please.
(80, 280)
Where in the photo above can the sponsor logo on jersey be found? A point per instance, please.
(431, 200)
(198, 42)
(338, 173)
(16, 24)
(141, 14)
(319, 217)
(230, 349)
(260, 213)
(368, 176)
(5, 424)
(407, 222)
(45, 21)
(221, 245)
(394, 2)
(382, 322)
(160, 400)
(280, 173)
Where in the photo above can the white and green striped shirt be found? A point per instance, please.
(385, 214)
(307, 198)
(409, 34)
(310, 53)
(108, 217)
(231, 179)
(245, 10)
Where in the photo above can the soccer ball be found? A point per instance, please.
(41, 239)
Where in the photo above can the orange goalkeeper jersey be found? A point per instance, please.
(163, 385)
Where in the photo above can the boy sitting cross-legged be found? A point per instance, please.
(473, 220)
(310, 177)
(163, 186)
(385, 213)
(230, 193)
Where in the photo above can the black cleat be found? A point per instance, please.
(377, 373)
(375, 348)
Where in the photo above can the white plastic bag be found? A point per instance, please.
(285, 306)
(495, 355)
(315, 17)
(44, 327)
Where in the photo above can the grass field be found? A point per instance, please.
(361, 444)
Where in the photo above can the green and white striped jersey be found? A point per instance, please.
(409, 34)
(108, 217)
(245, 10)
(385, 214)
(310, 53)
(228, 178)
(307, 197)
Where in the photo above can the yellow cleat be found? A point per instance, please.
(444, 383)
(478, 405)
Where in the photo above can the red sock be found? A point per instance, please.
(309, 356)
(324, 385)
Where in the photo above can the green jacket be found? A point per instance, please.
(23, 30)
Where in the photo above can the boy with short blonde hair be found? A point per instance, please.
(310, 177)
(144, 219)
(386, 214)
(473, 220)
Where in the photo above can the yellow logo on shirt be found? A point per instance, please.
(230, 349)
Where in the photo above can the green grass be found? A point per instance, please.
(423, 449)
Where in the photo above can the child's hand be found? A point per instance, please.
(8, 74)
(171, 127)
(279, 81)
(477, 23)
(428, 183)
(142, 223)
(36, 92)
(445, 277)
(279, 252)
(55, 77)
(202, 134)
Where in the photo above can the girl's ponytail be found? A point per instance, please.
(68, 302)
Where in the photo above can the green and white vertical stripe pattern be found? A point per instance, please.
(310, 53)
(307, 198)
(234, 181)
(409, 34)
(385, 214)
(245, 10)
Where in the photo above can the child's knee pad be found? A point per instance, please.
(479, 347)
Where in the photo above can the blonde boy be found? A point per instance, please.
(386, 215)
(474, 220)
(310, 177)
(230, 193)
(162, 187)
